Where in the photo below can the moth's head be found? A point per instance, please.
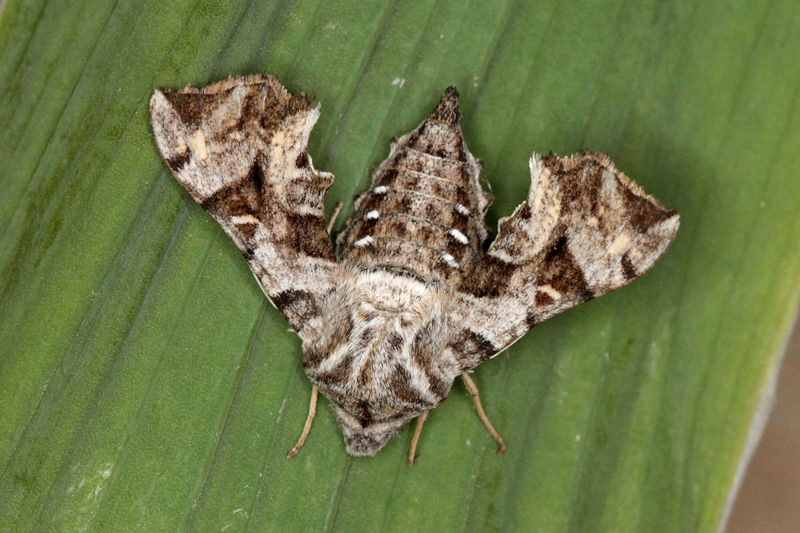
(380, 362)
(367, 437)
(377, 380)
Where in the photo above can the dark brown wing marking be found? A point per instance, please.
(585, 229)
(240, 148)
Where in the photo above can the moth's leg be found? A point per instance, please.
(336, 209)
(312, 411)
(412, 451)
(473, 391)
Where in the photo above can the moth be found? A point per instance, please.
(408, 300)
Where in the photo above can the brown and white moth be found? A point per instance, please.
(409, 300)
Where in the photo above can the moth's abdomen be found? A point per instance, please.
(424, 212)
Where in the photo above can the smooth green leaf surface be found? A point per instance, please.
(147, 385)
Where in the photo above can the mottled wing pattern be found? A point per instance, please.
(239, 147)
(584, 230)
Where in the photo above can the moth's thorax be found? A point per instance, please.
(424, 211)
(378, 353)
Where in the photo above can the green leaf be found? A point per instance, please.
(147, 385)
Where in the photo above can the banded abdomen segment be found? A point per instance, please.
(424, 212)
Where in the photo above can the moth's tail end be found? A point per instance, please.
(447, 110)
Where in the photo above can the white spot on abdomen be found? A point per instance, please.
(366, 241)
(450, 260)
(457, 235)
(462, 209)
(372, 215)
(380, 189)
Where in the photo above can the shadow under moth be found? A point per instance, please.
(408, 300)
